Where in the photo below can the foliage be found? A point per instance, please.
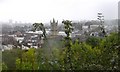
(68, 51)
(28, 62)
(9, 58)
(4, 67)
(104, 56)
(109, 49)
(39, 26)
(93, 41)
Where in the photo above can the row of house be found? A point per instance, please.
(30, 39)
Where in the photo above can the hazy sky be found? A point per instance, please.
(45, 10)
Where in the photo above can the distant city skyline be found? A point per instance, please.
(31, 11)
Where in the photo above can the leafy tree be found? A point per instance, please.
(9, 58)
(68, 30)
(29, 61)
(109, 49)
(93, 41)
(39, 26)
(85, 57)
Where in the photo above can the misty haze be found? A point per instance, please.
(63, 35)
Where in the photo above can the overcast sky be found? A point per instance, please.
(45, 10)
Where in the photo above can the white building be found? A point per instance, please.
(32, 32)
(19, 39)
(61, 33)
